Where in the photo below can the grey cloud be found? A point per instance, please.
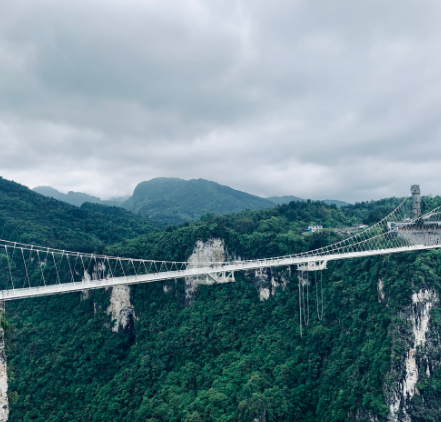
(316, 99)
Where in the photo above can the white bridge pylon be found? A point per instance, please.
(32, 271)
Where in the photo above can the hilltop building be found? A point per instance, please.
(313, 229)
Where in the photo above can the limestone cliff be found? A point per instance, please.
(121, 308)
(363, 415)
(212, 250)
(4, 403)
(411, 334)
(266, 280)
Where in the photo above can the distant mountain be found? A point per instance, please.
(29, 217)
(76, 198)
(118, 199)
(336, 202)
(175, 201)
(289, 198)
(284, 199)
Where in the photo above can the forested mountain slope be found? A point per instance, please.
(287, 199)
(229, 355)
(176, 201)
(77, 198)
(29, 217)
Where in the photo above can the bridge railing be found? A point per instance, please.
(29, 266)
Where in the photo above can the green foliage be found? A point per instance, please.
(29, 217)
(373, 211)
(73, 198)
(252, 234)
(174, 201)
(228, 356)
(289, 198)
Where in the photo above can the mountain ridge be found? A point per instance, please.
(77, 198)
(175, 200)
(288, 198)
(27, 216)
(234, 353)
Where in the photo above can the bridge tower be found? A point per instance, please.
(416, 201)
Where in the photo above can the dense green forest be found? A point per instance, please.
(26, 216)
(279, 200)
(75, 198)
(228, 356)
(176, 201)
(172, 201)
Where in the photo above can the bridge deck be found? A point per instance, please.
(22, 293)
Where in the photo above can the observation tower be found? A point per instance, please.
(425, 230)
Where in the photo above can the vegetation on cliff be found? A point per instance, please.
(176, 201)
(26, 216)
(228, 356)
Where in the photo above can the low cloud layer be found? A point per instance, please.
(315, 99)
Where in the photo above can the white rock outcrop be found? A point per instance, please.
(418, 315)
(363, 415)
(213, 250)
(4, 402)
(267, 280)
(420, 325)
(380, 290)
(264, 294)
(167, 286)
(120, 307)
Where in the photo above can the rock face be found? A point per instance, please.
(167, 286)
(363, 415)
(4, 403)
(121, 308)
(267, 280)
(413, 337)
(212, 250)
(380, 290)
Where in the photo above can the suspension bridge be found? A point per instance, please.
(33, 271)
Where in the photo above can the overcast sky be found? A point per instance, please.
(315, 98)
